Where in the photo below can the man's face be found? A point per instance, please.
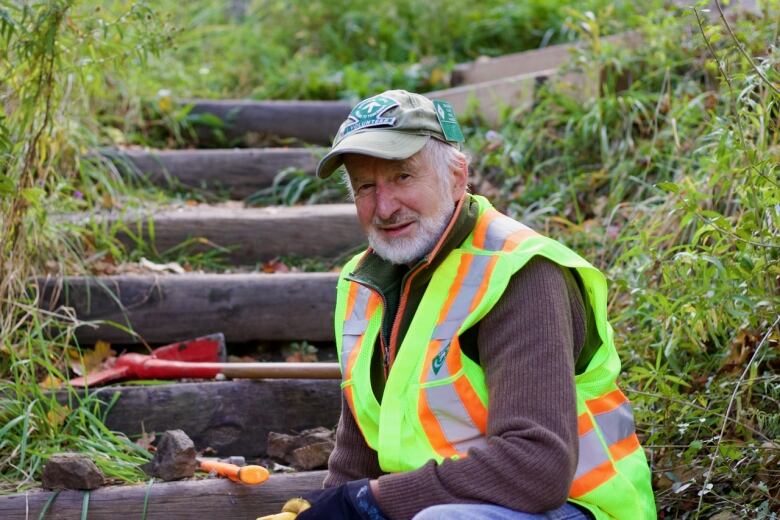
(403, 206)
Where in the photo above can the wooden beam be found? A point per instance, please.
(240, 172)
(528, 62)
(488, 98)
(313, 122)
(252, 234)
(232, 417)
(210, 498)
(167, 308)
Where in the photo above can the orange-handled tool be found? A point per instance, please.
(245, 474)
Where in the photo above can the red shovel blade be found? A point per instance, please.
(209, 348)
(205, 348)
(101, 377)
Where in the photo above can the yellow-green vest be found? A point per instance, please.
(435, 402)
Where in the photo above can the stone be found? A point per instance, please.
(312, 456)
(281, 446)
(71, 471)
(174, 458)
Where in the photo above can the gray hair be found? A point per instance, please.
(440, 156)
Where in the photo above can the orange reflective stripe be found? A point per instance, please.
(351, 404)
(475, 408)
(353, 355)
(592, 479)
(432, 428)
(518, 236)
(463, 270)
(353, 289)
(468, 396)
(606, 403)
(625, 447)
(480, 231)
(373, 301)
(584, 424)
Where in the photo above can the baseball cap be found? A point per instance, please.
(395, 124)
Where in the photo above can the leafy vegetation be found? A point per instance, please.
(667, 179)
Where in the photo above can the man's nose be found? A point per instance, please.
(386, 201)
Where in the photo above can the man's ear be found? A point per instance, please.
(460, 176)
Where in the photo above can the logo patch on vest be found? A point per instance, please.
(369, 113)
(438, 361)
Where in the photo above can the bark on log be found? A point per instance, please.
(232, 417)
(211, 498)
(168, 308)
(240, 172)
(252, 235)
(313, 122)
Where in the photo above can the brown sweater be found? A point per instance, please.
(527, 346)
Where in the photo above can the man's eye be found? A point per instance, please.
(364, 187)
(404, 176)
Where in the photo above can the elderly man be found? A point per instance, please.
(477, 361)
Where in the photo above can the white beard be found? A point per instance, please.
(406, 250)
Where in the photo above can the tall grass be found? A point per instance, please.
(669, 180)
(55, 56)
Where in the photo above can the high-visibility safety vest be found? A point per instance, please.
(435, 401)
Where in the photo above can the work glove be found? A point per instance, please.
(350, 501)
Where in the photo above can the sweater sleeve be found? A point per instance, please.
(527, 349)
(351, 459)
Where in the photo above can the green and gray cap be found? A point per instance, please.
(395, 124)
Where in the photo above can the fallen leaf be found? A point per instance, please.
(275, 266)
(172, 267)
(91, 360)
(146, 440)
(50, 382)
(57, 415)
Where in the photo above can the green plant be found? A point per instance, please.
(668, 180)
(54, 56)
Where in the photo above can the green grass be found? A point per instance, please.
(668, 181)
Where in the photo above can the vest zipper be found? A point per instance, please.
(426, 261)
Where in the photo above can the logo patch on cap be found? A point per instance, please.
(448, 121)
(368, 113)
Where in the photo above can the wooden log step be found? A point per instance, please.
(168, 308)
(185, 499)
(239, 172)
(488, 98)
(232, 417)
(515, 91)
(313, 122)
(252, 235)
(527, 62)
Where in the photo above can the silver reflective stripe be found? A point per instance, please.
(361, 303)
(458, 313)
(499, 230)
(348, 342)
(478, 442)
(592, 453)
(354, 326)
(616, 424)
(453, 418)
(446, 330)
